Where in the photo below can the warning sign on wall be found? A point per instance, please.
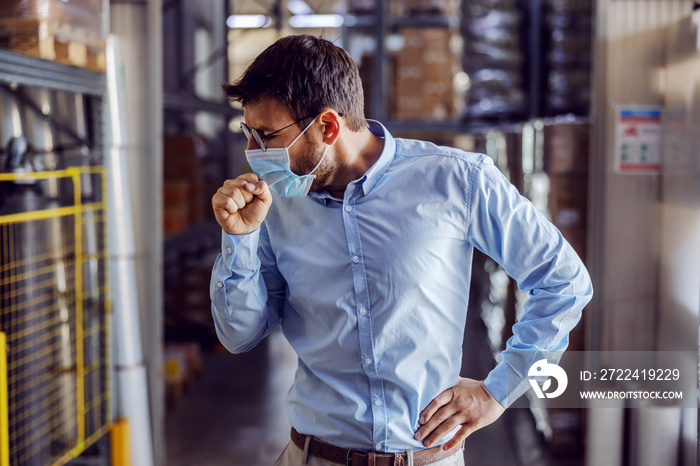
(638, 139)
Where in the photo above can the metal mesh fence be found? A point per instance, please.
(54, 314)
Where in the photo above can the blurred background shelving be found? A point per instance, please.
(534, 84)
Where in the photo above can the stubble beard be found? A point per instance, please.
(323, 172)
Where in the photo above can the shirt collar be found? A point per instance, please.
(369, 179)
(385, 158)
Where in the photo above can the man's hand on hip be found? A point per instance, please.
(467, 404)
(241, 205)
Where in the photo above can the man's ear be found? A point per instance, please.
(331, 121)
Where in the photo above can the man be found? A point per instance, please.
(360, 246)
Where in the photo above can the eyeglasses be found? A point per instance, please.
(260, 138)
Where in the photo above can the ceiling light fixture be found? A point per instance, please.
(316, 21)
(248, 21)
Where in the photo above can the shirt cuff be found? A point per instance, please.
(240, 251)
(509, 380)
(505, 384)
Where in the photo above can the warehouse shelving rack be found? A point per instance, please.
(380, 22)
(56, 396)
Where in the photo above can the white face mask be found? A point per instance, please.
(272, 166)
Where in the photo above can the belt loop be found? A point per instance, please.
(371, 459)
(409, 456)
(463, 443)
(305, 457)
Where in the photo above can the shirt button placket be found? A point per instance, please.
(364, 325)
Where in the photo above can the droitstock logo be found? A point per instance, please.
(542, 368)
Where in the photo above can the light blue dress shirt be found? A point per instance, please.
(372, 290)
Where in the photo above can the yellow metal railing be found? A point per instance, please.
(4, 430)
(54, 374)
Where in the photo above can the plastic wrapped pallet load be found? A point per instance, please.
(493, 58)
(67, 31)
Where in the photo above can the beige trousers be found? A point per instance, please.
(294, 456)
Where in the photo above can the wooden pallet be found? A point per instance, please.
(53, 41)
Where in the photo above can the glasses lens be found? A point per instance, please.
(247, 132)
(259, 140)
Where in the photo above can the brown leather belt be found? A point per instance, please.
(339, 455)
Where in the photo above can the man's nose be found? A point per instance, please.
(252, 145)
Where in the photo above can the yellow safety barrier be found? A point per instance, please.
(53, 314)
(4, 433)
(121, 446)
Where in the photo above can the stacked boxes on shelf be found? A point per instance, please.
(566, 145)
(421, 53)
(184, 192)
(66, 31)
(568, 30)
(494, 59)
(424, 76)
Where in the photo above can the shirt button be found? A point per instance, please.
(378, 402)
(348, 208)
(355, 259)
(363, 311)
(378, 446)
(368, 361)
(229, 250)
(219, 284)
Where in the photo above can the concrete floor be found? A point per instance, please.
(233, 414)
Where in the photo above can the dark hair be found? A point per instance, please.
(306, 74)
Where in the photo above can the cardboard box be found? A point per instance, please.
(83, 15)
(67, 31)
(566, 148)
(423, 76)
(182, 156)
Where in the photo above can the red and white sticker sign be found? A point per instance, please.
(638, 140)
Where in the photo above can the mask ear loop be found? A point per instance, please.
(297, 138)
(319, 162)
(324, 152)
